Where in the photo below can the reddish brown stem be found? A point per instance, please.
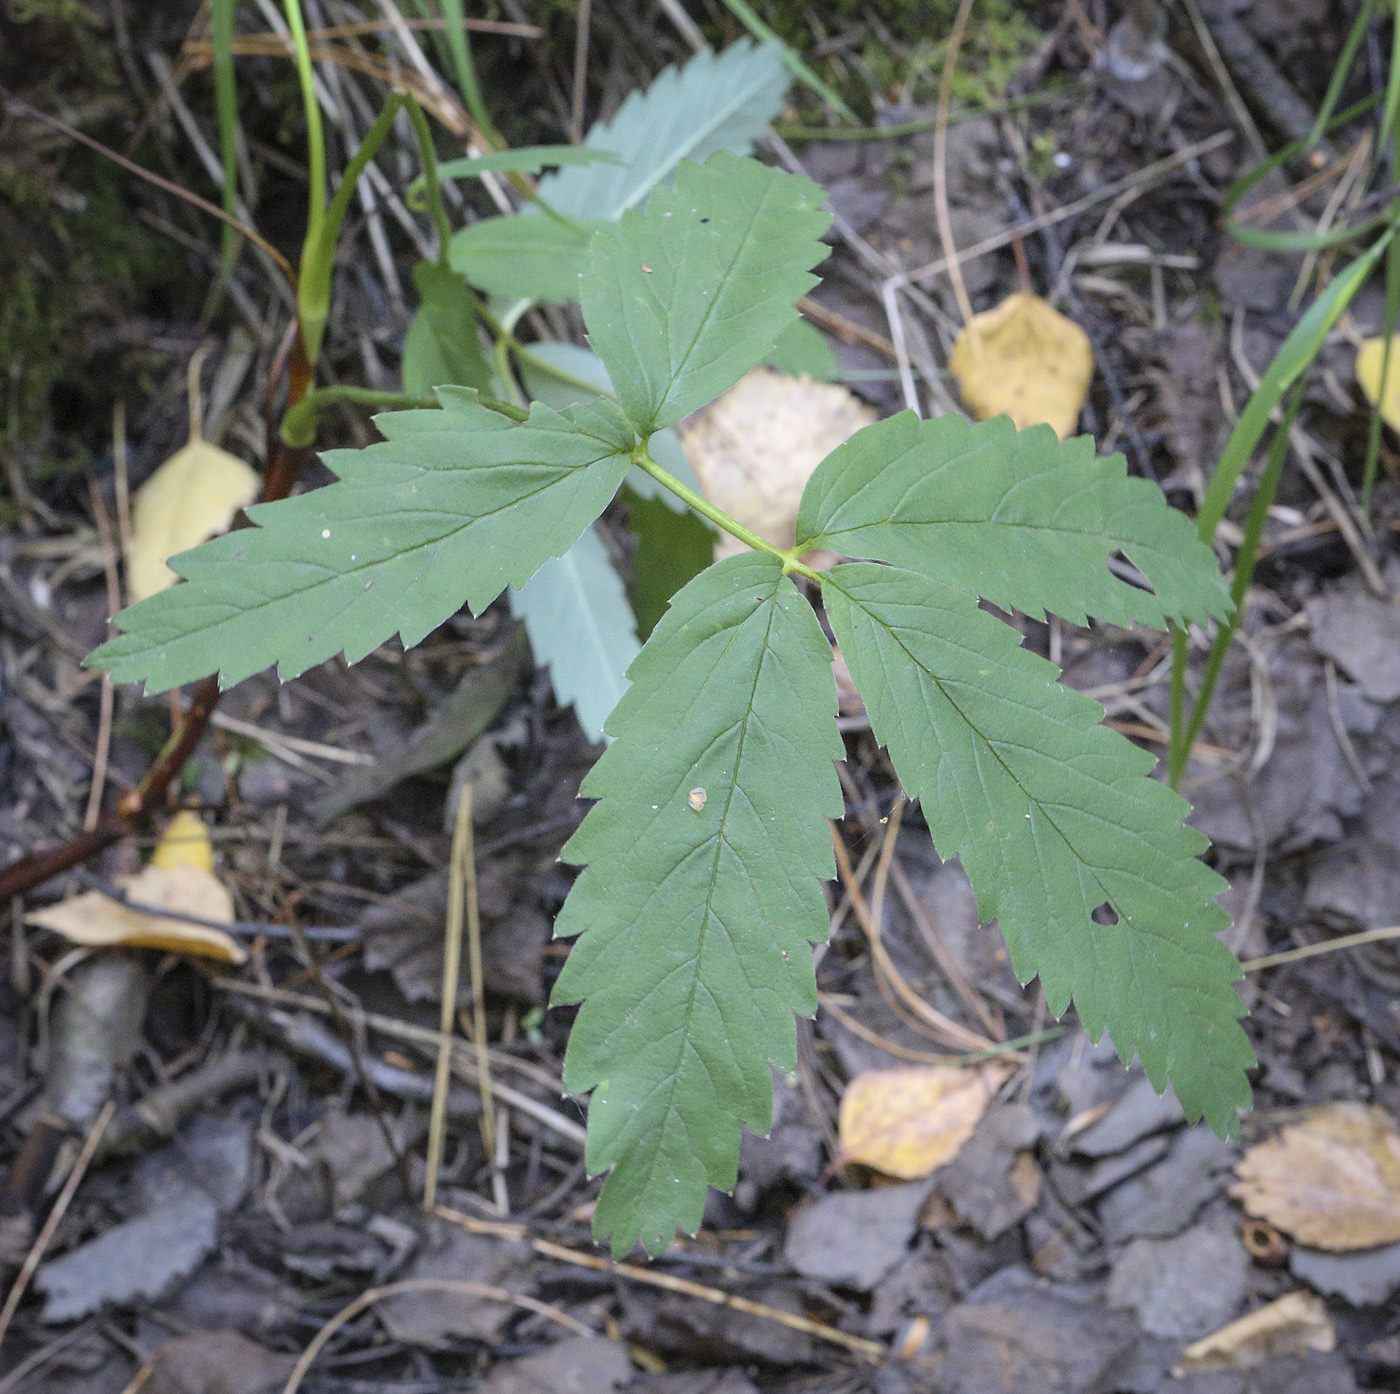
(284, 466)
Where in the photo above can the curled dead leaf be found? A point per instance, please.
(192, 497)
(908, 1122)
(1025, 359)
(755, 448)
(180, 879)
(1331, 1181)
(1291, 1326)
(1370, 358)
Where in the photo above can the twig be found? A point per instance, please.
(941, 1027)
(940, 161)
(584, 24)
(105, 698)
(451, 974)
(369, 1297)
(1328, 946)
(1145, 175)
(45, 1236)
(872, 1351)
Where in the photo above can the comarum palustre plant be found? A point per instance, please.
(700, 896)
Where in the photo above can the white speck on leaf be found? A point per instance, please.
(697, 799)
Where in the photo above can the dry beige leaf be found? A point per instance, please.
(908, 1122)
(1026, 360)
(192, 497)
(185, 842)
(180, 878)
(1370, 358)
(755, 448)
(1291, 1326)
(1332, 1181)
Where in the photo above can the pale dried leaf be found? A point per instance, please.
(1332, 1181)
(1291, 1326)
(1026, 360)
(192, 497)
(94, 920)
(910, 1121)
(185, 842)
(1370, 358)
(755, 447)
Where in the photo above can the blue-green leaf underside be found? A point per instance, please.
(1019, 518)
(696, 924)
(450, 508)
(713, 102)
(581, 628)
(681, 302)
(1053, 815)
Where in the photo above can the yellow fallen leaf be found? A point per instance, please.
(755, 448)
(179, 878)
(1025, 359)
(1369, 358)
(1290, 1326)
(907, 1122)
(185, 842)
(1332, 1181)
(193, 496)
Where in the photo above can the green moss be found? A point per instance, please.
(998, 39)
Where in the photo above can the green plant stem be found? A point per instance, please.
(318, 252)
(299, 423)
(912, 128)
(432, 181)
(460, 46)
(1184, 733)
(792, 61)
(226, 102)
(308, 282)
(641, 457)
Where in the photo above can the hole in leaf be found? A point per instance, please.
(704, 220)
(1105, 914)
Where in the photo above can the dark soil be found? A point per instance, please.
(264, 1166)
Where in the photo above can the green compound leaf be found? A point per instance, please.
(442, 347)
(1018, 518)
(714, 102)
(449, 509)
(696, 924)
(1053, 816)
(681, 302)
(581, 628)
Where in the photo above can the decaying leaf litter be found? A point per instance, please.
(262, 1167)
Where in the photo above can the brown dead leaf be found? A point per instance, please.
(180, 878)
(1332, 1181)
(755, 448)
(1027, 360)
(1370, 357)
(1291, 1326)
(192, 497)
(908, 1122)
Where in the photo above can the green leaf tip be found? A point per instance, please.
(695, 923)
(449, 509)
(683, 300)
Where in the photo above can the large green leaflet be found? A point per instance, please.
(1016, 517)
(683, 301)
(449, 509)
(524, 258)
(1054, 816)
(442, 345)
(700, 900)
